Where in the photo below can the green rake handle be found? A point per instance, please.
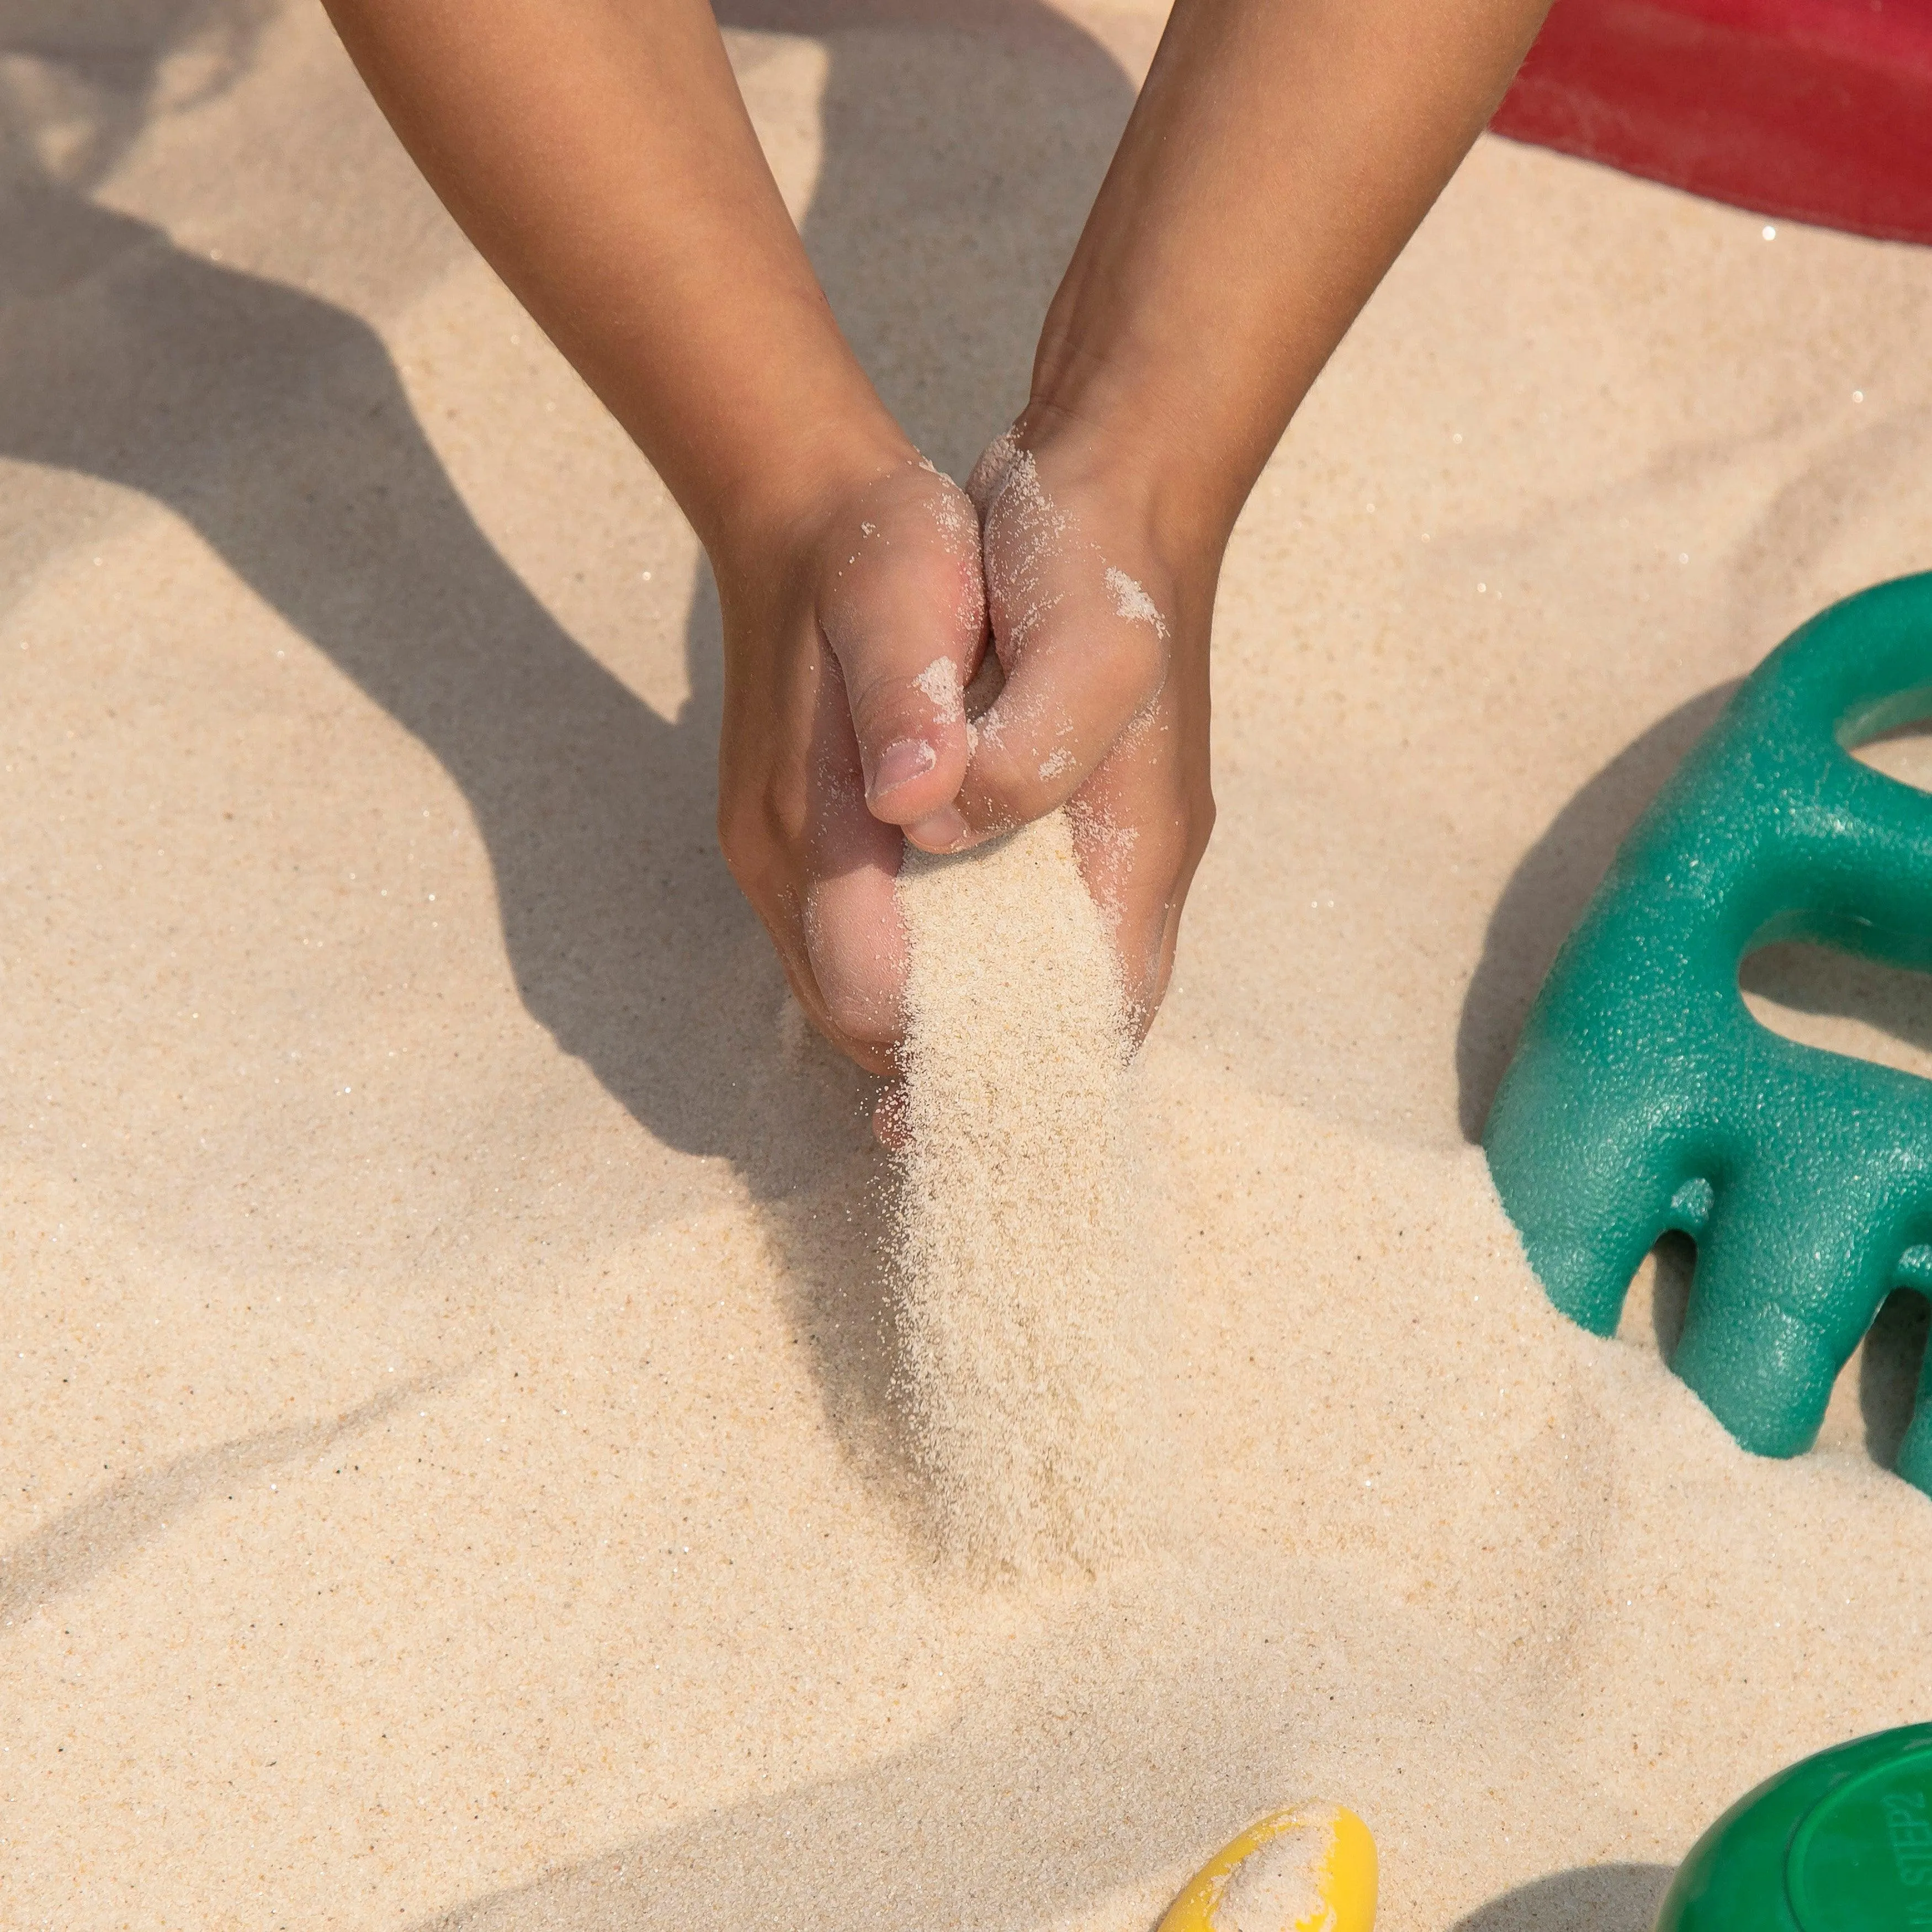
(1643, 1097)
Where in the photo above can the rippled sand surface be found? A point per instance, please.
(452, 1474)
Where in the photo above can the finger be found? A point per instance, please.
(780, 907)
(873, 1058)
(854, 942)
(1132, 868)
(857, 946)
(1140, 826)
(820, 871)
(905, 617)
(1084, 647)
(781, 913)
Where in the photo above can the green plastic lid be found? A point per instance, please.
(1841, 1843)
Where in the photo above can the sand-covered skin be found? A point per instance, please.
(451, 1472)
(1027, 1229)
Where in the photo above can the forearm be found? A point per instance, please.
(1281, 154)
(598, 154)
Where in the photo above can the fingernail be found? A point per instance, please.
(899, 763)
(941, 831)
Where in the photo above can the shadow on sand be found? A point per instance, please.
(1593, 1898)
(961, 145)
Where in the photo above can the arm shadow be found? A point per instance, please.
(1593, 1898)
(961, 146)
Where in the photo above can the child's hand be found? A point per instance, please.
(1102, 632)
(848, 635)
(1277, 158)
(600, 156)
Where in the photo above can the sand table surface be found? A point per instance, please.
(451, 1471)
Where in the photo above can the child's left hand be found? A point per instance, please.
(1102, 631)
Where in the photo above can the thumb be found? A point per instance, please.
(1085, 647)
(905, 619)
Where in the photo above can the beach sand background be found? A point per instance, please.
(448, 1469)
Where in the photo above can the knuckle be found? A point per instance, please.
(902, 702)
(865, 1015)
(1006, 804)
(889, 707)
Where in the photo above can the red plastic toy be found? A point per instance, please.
(1820, 110)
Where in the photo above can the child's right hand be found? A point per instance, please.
(851, 625)
(1100, 586)
(1277, 158)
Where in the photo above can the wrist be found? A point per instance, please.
(1116, 435)
(774, 504)
(1112, 489)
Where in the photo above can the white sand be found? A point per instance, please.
(1027, 1268)
(1278, 1889)
(450, 1472)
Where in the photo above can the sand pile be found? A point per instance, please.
(1030, 1289)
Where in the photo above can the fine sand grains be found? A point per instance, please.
(1280, 1886)
(1028, 1289)
(443, 1402)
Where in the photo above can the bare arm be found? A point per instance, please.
(1280, 154)
(599, 154)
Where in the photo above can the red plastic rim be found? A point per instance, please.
(1819, 110)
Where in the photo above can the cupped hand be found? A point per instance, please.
(850, 628)
(1100, 623)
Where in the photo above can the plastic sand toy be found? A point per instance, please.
(1841, 1843)
(1309, 1868)
(1818, 110)
(1643, 1096)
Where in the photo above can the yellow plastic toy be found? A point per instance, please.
(1309, 1868)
